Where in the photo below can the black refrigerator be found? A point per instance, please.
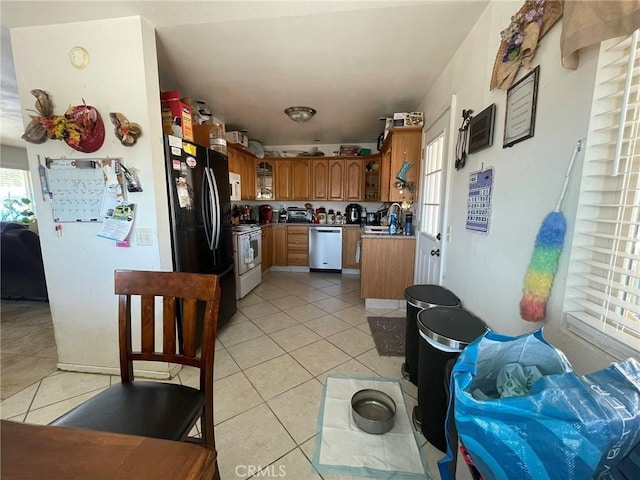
(200, 216)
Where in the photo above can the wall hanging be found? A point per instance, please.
(479, 201)
(463, 140)
(546, 254)
(481, 129)
(520, 115)
(126, 131)
(82, 190)
(520, 39)
(80, 127)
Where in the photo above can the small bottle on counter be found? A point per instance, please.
(393, 224)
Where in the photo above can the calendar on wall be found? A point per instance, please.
(77, 187)
(479, 201)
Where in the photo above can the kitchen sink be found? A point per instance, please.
(376, 229)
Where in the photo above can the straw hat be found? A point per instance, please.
(88, 122)
(504, 73)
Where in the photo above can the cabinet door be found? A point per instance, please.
(267, 247)
(385, 175)
(248, 177)
(265, 173)
(235, 161)
(300, 179)
(283, 179)
(279, 245)
(350, 239)
(387, 267)
(372, 178)
(405, 144)
(336, 179)
(319, 179)
(354, 179)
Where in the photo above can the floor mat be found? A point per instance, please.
(388, 335)
(343, 449)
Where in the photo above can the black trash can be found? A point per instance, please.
(444, 332)
(418, 298)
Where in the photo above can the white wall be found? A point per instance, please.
(487, 270)
(13, 157)
(121, 76)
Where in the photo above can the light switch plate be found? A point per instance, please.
(144, 236)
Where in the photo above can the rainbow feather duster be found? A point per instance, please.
(546, 256)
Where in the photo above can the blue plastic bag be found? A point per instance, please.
(566, 427)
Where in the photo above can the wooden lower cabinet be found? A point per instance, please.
(279, 245)
(350, 239)
(386, 268)
(298, 245)
(267, 247)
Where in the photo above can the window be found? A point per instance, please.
(601, 302)
(432, 185)
(14, 185)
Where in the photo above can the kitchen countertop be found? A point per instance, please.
(278, 224)
(386, 236)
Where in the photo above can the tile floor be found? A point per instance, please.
(271, 361)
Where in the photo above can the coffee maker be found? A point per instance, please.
(352, 213)
(265, 213)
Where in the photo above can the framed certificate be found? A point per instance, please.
(520, 116)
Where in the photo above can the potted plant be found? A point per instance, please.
(18, 211)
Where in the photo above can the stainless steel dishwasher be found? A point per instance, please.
(325, 248)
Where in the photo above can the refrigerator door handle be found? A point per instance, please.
(206, 208)
(218, 208)
(210, 227)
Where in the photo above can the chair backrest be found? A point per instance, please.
(179, 292)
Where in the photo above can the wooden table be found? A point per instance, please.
(47, 452)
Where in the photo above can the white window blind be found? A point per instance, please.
(601, 301)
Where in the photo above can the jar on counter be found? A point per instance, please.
(339, 219)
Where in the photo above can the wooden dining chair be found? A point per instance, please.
(151, 408)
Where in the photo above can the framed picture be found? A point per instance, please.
(481, 129)
(520, 117)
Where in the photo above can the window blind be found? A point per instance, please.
(602, 298)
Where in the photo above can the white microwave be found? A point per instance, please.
(234, 186)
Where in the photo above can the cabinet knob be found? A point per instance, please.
(435, 253)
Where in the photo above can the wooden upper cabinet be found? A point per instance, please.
(235, 160)
(402, 143)
(336, 179)
(385, 174)
(248, 177)
(265, 174)
(353, 179)
(282, 179)
(300, 179)
(319, 179)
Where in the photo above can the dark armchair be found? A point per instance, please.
(21, 267)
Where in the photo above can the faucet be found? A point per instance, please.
(390, 211)
(397, 212)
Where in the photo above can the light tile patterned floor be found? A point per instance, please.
(271, 361)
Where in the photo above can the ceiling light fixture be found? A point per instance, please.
(300, 114)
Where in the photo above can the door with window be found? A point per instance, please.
(430, 247)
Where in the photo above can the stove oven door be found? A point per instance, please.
(249, 251)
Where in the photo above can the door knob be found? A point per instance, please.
(435, 252)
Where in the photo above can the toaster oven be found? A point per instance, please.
(299, 215)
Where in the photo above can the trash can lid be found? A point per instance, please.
(450, 327)
(427, 296)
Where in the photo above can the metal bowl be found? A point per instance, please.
(373, 411)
